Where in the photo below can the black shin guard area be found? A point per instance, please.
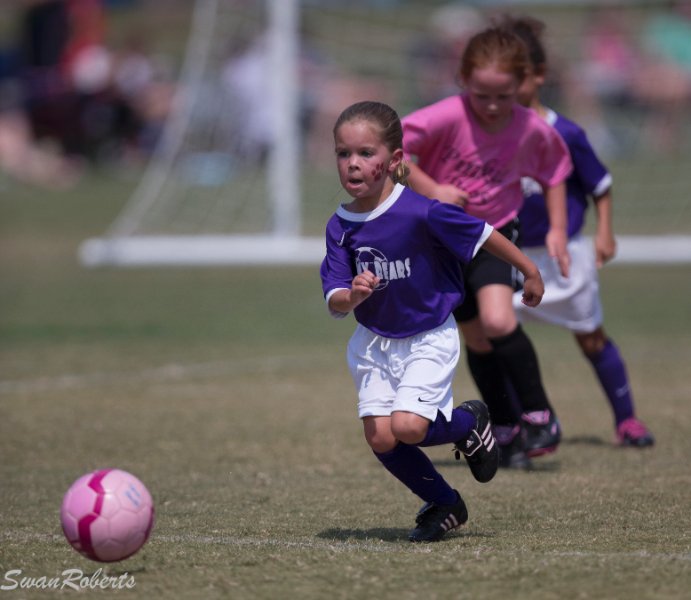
(490, 380)
(519, 360)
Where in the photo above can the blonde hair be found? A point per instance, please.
(389, 124)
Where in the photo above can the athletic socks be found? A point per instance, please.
(611, 371)
(517, 356)
(412, 467)
(415, 470)
(441, 431)
(491, 382)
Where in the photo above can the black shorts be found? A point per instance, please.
(486, 269)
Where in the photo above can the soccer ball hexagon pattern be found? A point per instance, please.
(107, 515)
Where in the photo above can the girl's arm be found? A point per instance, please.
(423, 184)
(344, 301)
(556, 238)
(605, 243)
(533, 286)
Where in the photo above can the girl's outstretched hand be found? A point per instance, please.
(555, 242)
(605, 248)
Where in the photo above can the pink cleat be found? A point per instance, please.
(631, 432)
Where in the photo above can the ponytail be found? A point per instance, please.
(401, 173)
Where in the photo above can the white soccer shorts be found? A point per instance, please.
(572, 302)
(412, 374)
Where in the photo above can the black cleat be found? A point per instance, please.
(479, 448)
(543, 432)
(435, 520)
(511, 442)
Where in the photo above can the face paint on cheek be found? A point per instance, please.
(378, 172)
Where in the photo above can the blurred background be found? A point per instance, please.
(177, 98)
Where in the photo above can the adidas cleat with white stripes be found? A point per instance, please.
(435, 520)
(480, 447)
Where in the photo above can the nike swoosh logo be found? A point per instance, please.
(342, 239)
(424, 401)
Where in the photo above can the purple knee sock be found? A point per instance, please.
(442, 431)
(415, 470)
(611, 371)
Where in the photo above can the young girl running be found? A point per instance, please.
(574, 303)
(393, 258)
(473, 149)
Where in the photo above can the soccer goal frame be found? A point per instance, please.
(283, 243)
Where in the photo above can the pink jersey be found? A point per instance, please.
(451, 147)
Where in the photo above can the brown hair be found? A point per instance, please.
(495, 45)
(530, 31)
(386, 118)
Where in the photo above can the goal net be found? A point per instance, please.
(223, 184)
(244, 171)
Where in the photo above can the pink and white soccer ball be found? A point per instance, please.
(107, 515)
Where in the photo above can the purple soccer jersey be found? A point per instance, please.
(588, 178)
(414, 245)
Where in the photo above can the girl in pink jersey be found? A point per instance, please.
(472, 149)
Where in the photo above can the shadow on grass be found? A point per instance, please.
(543, 465)
(387, 534)
(585, 440)
(539, 465)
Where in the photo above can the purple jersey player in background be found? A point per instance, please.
(574, 303)
(472, 149)
(393, 258)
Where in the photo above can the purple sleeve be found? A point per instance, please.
(592, 174)
(336, 269)
(461, 233)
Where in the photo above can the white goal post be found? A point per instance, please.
(283, 244)
(198, 251)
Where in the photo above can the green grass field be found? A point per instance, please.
(226, 392)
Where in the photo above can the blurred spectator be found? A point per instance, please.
(21, 157)
(247, 82)
(325, 90)
(145, 87)
(43, 37)
(664, 76)
(629, 84)
(603, 77)
(668, 37)
(73, 83)
(609, 57)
